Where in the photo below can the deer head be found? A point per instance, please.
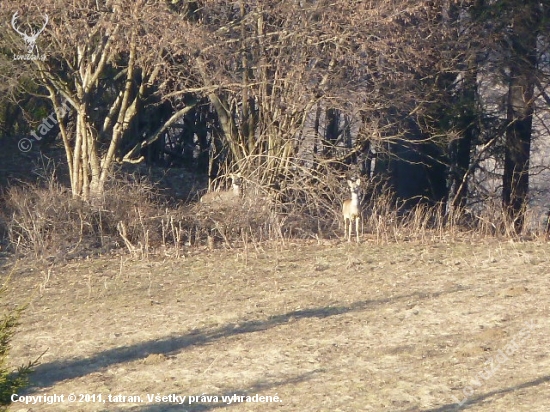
(30, 39)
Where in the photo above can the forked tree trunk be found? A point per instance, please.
(90, 165)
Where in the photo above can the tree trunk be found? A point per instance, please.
(460, 149)
(523, 60)
(332, 131)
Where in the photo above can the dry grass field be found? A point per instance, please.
(316, 326)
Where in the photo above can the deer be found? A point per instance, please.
(351, 209)
(30, 39)
(225, 195)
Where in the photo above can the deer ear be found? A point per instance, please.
(358, 181)
(350, 183)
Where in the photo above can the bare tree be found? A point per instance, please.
(106, 59)
(276, 63)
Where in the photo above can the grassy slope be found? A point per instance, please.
(333, 327)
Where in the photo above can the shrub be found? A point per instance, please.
(10, 381)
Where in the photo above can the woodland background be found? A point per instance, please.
(441, 106)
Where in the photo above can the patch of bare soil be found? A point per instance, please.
(334, 327)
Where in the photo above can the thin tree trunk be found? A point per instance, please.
(460, 149)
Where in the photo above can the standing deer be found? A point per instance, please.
(351, 209)
(225, 195)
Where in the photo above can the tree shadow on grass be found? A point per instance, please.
(476, 399)
(49, 374)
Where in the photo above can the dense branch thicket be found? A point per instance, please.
(439, 102)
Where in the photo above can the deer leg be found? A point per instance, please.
(345, 228)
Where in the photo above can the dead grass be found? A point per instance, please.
(403, 327)
(138, 217)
